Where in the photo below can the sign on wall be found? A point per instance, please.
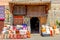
(2, 12)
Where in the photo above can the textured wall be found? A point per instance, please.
(4, 2)
(54, 13)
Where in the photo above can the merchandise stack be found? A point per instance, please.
(49, 31)
(46, 30)
(16, 32)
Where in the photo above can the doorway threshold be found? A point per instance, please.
(35, 34)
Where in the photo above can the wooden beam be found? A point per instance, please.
(30, 3)
(47, 4)
(11, 7)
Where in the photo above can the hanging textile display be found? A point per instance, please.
(18, 20)
(2, 12)
(27, 21)
(8, 17)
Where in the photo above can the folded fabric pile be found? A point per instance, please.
(46, 30)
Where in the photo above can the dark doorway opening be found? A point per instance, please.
(34, 25)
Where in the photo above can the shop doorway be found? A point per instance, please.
(34, 21)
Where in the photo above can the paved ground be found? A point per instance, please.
(38, 37)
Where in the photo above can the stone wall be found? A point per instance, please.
(54, 13)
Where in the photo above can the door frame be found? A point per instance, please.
(39, 25)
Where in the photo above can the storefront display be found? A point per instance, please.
(27, 21)
(45, 30)
(17, 32)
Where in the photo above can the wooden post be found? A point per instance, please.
(1, 26)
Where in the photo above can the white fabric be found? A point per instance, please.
(8, 25)
(22, 32)
(3, 31)
(51, 28)
(28, 28)
(5, 28)
(44, 33)
(11, 27)
(19, 26)
(47, 31)
(57, 31)
(43, 26)
(47, 27)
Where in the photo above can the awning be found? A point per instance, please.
(29, 3)
(12, 3)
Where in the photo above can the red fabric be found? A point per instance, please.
(51, 34)
(18, 16)
(11, 36)
(18, 20)
(14, 28)
(18, 36)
